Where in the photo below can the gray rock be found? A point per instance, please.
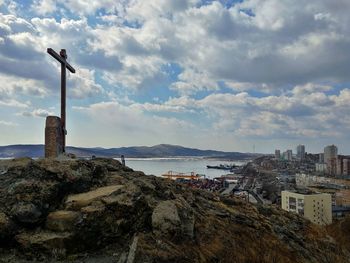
(132, 251)
(7, 227)
(27, 213)
(173, 218)
(166, 219)
(63, 220)
(46, 242)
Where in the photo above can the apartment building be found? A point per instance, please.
(317, 207)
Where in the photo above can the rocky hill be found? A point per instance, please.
(100, 211)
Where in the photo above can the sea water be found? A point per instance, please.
(159, 166)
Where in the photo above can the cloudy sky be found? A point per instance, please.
(224, 75)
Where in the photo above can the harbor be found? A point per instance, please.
(159, 166)
(240, 182)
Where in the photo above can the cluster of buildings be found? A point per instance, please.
(288, 154)
(321, 193)
(328, 163)
(331, 163)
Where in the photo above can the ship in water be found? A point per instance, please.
(188, 176)
(228, 167)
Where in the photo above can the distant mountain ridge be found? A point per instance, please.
(157, 151)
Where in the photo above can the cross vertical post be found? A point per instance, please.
(62, 58)
(63, 97)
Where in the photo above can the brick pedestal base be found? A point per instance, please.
(53, 137)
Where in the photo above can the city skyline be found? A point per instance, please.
(224, 75)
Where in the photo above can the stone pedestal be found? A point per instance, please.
(53, 137)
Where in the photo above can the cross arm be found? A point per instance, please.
(60, 59)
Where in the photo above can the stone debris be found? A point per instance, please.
(80, 200)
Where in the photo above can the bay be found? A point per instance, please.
(159, 166)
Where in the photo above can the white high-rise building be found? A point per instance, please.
(330, 152)
(301, 152)
(330, 158)
(288, 155)
(277, 154)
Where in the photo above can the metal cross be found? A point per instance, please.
(62, 58)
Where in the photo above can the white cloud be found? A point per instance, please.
(13, 103)
(83, 84)
(134, 121)
(14, 86)
(27, 68)
(307, 112)
(7, 123)
(90, 7)
(273, 56)
(36, 113)
(43, 7)
(67, 33)
(212, 44)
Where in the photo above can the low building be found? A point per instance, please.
(316, 207)
(332, 166)
(340, 211)
(346, 167)
(321, 157)
(321, 167)
(306, 180)
(343, 165)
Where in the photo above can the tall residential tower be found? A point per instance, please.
(301, 152)
(330, 158)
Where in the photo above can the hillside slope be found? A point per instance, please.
(161, 150)
(100, 211)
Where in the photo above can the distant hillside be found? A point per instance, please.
(162, 150)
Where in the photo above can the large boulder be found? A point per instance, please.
(78, 201)
(173, 218)
(166, 219)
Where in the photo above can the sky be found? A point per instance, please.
(249, 75)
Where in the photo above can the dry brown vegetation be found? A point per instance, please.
(340, 231)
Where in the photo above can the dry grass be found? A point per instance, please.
(340, 231)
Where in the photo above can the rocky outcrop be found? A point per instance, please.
(101, 211)
(173, 218)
